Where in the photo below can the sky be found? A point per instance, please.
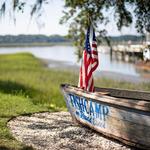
(51, 16)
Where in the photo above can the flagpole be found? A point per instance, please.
(91, 23)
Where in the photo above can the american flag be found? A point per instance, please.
(89, 63)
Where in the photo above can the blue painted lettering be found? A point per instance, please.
(76, 101)
(72, 99)
(105, 112)
(98, 110)
(91, 108)
(92, 112)
(85, 106)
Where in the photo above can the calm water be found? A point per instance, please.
(67, 54)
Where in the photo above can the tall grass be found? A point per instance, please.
(104, 82)
(22, 74)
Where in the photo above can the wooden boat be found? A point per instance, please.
(120, 114)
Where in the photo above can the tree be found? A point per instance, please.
(79, 13)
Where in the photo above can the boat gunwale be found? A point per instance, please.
(142, 105)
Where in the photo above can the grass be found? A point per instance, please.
(27, 86)
(104, 82)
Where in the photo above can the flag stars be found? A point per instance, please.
(87, 43)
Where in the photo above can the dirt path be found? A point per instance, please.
(56, 131)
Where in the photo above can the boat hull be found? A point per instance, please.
(127, 120)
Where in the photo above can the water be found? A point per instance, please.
(67, 55)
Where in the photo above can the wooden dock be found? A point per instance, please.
(129, 53)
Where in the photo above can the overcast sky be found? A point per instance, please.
(51, 16)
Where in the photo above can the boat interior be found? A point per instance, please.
(127, 94)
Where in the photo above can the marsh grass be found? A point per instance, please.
(104, 82)
(27, 86)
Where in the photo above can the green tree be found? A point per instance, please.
(79, 13)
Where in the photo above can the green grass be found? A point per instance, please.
(104, 82)
(22, 74)
(27, 86)
(10, 106)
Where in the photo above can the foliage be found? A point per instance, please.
(6, 40)
(124, 39)
(79, 14)
(33, 39)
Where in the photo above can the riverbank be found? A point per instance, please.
(144, 67)
(62, 65)
(67, 53)
(35, 44)
(28, 86)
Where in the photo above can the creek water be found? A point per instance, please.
(67, 55)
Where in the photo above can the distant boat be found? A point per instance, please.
(120, 114)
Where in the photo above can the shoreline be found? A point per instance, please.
(35, 44)
(62, 65)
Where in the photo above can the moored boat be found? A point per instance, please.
(120, 114)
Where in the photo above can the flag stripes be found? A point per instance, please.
(89, 63)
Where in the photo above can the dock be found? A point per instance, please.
(128, 53)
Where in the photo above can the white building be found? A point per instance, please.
(146, 51)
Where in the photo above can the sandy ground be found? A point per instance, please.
(56, 131)
(106, 74)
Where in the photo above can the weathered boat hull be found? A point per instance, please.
(125, 118)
